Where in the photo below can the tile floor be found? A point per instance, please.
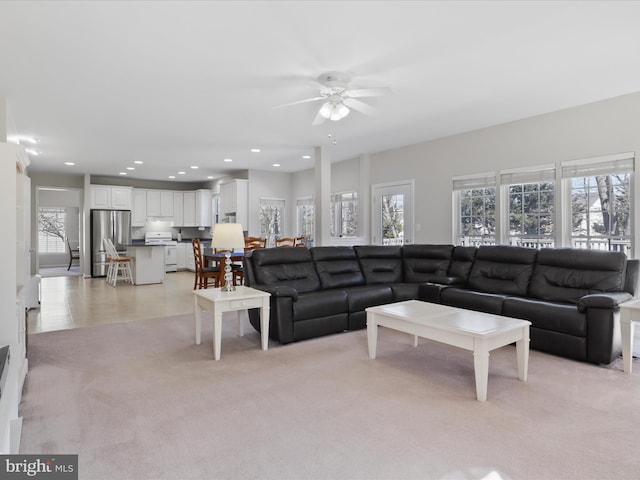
(73, 301)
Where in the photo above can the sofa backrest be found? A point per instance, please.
(380, 264)
(566, 274)
(285, 266)
(337, 267)
(420, 263)
(632, 277)
(461, 262)
(502, 269)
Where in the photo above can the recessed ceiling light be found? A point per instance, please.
(228, 160)
(210, 177)
(172, 176)
(130, 168)
(306, 157)
(69, 163)
(182, 173)
(255, 150)
(276, 164)
(194, 167)
(139, 162)
(123, 173)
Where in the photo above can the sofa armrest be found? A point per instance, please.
(603, 300)
(278, 290)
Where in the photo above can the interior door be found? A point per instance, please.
(392, 213)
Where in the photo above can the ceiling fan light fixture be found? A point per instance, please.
(326, 109)
(340, 111)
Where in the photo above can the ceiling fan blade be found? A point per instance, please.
(359, 106)
(318, 120)
(299, 101)
(368, 92)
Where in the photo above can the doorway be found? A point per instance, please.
(57, 218)
(392, 216)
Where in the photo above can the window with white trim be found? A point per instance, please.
(475, 198)
(271, 212)
(600, 202)
(51, 230)
(305, 218)
(530, 207)
(344, 214)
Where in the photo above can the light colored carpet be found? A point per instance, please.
(140, 401)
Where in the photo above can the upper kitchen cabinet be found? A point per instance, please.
(189, 209)
(203, 208)
(160, 204)
(234, 200)
(139, 210)
(110, 198)
(178, 209)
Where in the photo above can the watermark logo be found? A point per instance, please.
(50, 467)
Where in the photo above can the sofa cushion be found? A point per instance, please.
(380, 264)
(565, 274)
(337, 267)
(469, 299)
(405, 291)
(365, 296)
(502, 269)
(563, 318)
(322, 303)
(285, 266)
(421, 262)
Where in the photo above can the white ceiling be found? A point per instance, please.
(176, 84)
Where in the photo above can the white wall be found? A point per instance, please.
(601, 128)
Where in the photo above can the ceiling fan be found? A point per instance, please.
(338, 99)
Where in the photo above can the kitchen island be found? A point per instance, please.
(147, 266)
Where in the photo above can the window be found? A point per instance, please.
(305, 216)
(591, 207)
(600, 202)
(344, 214)
(476, 210)
(271, 213)
(530, 197)
(51, 230)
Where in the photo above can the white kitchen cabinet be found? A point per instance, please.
(13, 278)
(234, 200)
(139, 208)
(178, 209)
(110, 197)
(160, 204)
(182, 255)
(203, 208)
(189, 209)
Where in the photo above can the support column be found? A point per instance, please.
(364, 198)
(322, 197)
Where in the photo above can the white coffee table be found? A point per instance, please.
(474, 331)
(218, 302)
(629, 316)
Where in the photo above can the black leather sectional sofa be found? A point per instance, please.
(571, 296)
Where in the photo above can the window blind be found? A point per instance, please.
(543, 174)
(608, 165)
(477, 181)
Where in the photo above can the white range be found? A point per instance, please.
(170, 251)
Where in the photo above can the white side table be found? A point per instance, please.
(217, 302)
(629, 315)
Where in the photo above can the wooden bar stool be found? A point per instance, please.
(119, 266)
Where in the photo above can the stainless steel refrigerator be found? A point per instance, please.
(114, 225)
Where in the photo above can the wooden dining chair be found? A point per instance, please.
(286, 242)
(301, 242)
(204, 274)
(251, 243)
(74, 254)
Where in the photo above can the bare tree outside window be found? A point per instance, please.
(344, 215)
(601, 210)
(271, 214)
(392, 219)
(51, 230)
